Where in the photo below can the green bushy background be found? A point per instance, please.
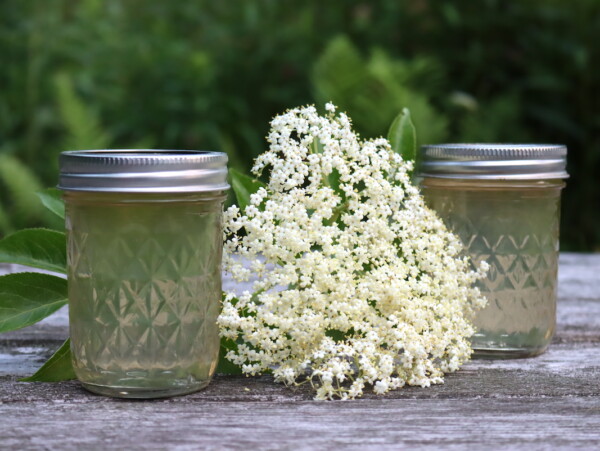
(205, 74)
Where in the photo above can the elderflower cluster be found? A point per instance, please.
(358, 282)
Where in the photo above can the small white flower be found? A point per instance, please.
(358, 281)
(381, 387)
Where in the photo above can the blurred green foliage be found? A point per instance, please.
(210, 75)
(373, 89)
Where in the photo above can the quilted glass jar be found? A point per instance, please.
(503, 201)
(144, 251)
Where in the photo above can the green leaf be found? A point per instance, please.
(316, 146)
(52, 200)
(57, 368)
(19, 184)
(403, 136)
(333, 180)
(82, 124)
(336, 335)
(26, 298)
(243, 186)
(5, 221)
(39, 248)
(225, 366)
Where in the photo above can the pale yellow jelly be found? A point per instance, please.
(513, 225)
(144, 275)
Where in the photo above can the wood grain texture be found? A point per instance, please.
(548, 402)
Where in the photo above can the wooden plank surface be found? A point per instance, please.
(548, 402)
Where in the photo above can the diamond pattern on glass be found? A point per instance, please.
(144, 291)
(516, 232)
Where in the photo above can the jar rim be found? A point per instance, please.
(493, 161)
(143, 170)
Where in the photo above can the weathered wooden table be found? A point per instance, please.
(548, 402)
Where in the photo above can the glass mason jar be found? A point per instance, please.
(144, 245)
(503, 201)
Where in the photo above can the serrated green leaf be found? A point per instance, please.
(225, 366)
(243, 187)
(57, 368)
(403, 136)
(39, 248)
(53, 201)
(26, 298)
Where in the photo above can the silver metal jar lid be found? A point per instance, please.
(143, 171)
(493, 161)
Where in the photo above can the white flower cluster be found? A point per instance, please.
(359, 283)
